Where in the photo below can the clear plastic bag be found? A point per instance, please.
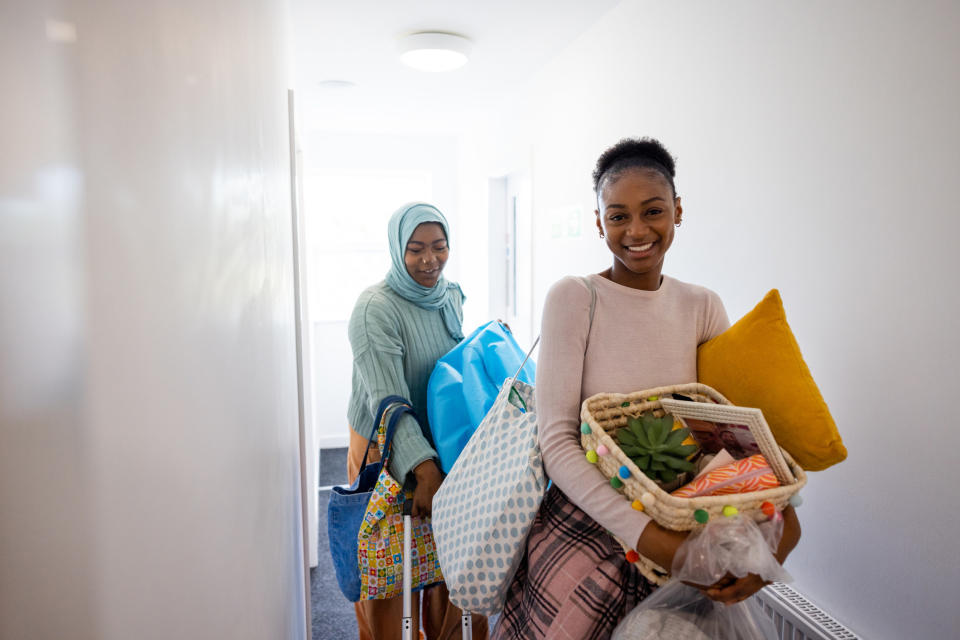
(680, 612)
(733, 546)
(736, 545)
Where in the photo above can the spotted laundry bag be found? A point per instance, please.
(483, 510)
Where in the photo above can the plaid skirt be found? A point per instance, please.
(574, 582)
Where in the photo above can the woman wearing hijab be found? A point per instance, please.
(399, 328)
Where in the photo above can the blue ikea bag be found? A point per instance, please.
(466, 381)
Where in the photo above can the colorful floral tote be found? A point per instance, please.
(380, 539)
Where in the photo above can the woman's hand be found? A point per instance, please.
(428, 481)
(731, 590)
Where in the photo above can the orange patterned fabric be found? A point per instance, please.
(741, 476)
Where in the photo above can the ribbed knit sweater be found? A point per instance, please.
(638, 340)
(395, 347)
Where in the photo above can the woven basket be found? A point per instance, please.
(606, 412)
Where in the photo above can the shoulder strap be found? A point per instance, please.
(383, 408)
(399, 406)
(593, 300)
(398, 412)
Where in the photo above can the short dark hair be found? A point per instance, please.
(634, 153)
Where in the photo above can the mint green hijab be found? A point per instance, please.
(442, 295)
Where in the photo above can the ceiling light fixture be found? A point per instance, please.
(434, 51)
(336, 84)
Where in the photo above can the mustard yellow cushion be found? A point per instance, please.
(757, 363)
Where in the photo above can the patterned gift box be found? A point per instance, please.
(741, 476)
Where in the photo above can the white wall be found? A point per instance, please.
(149, 472)
(818, 148)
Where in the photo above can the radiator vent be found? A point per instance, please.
(796, 618)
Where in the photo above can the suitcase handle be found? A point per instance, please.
(407, 537)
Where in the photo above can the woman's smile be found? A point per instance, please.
(640, 250)
(428, 275)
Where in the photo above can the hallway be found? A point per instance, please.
(177, 268)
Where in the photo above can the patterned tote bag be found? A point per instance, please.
(380, 538)
(485, 506)
(365, 524)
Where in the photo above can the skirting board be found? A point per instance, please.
(333, 442)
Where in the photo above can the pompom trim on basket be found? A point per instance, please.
(603, 413)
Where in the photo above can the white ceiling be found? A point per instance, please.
(356, 41)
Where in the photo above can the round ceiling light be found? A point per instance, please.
(336, 84)
(434, 51)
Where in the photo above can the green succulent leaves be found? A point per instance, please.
(656, 448)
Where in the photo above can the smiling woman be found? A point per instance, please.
(626, 328)
(398, 330)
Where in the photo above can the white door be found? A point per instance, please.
(511, 255)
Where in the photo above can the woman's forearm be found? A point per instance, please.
(660, 544)
(791, 534)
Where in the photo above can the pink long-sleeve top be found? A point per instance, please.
(638, 340)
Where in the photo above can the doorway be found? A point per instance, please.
(510, 257)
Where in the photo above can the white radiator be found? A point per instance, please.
(796, 618)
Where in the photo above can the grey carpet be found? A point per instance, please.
(333, 466)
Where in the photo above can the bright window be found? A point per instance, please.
(346, 226)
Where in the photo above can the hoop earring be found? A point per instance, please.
(601, 234)
(677, 225)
